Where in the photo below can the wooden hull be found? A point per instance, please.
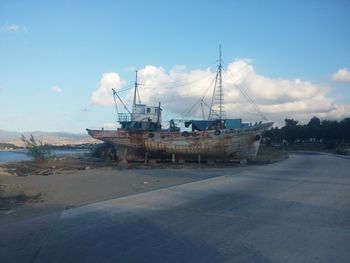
(224, 144)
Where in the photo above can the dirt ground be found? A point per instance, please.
(29, 189)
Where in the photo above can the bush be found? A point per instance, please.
(340, 150)
(103, 150)
(37, 150)
(331, 144)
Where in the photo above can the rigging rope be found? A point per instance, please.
(245, 94)
(189, 112)
(200, 101)
(180, 85)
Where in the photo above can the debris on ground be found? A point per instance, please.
(57, 165)
(51, 166)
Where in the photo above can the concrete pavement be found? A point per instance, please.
(297, 210)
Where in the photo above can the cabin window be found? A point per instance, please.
(148, 110)
(156, 110)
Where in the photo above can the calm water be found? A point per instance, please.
(12, 156)
(9, 156)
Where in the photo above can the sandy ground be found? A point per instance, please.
(40, 194)
(29, 189)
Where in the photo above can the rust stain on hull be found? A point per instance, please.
(223, 144)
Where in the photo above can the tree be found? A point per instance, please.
(291, 130)
(345, 129)
(331, 132)
(289, 123)
(37, 150)
(313, 128)
(314, 122)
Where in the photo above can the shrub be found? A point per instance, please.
(105, 151)
(340, 150)
(37, 150)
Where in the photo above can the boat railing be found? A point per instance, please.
(124, 117)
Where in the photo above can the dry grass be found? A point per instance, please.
(52, 166)
(268, 155)
(57, 165)
(9, 201)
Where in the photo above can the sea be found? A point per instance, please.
(12, 156)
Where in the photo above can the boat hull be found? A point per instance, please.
(214, 144)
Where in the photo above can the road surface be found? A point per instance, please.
(297, 210)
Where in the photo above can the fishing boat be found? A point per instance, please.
(142, 137)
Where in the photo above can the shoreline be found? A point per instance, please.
(14, 150)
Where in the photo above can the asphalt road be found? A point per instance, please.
(297, 210)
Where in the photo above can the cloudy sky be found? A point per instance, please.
(59, 60)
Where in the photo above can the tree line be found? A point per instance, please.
(328, 132)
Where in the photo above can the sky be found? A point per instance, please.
(59, 60)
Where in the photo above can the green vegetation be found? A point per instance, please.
(267, 154)
(315, 135)
(37, 150)
(4, 145)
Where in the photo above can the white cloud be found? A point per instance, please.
(342, 75)
(13, 28)
(103, 94)
(56, 89)
(179, 89)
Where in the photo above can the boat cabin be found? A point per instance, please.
(142, 113)
(143, 117)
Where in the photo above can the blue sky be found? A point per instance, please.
(53, 54)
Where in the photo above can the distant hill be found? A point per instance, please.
(54, 138)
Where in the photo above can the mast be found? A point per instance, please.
(220, 91)
(135, 92)
(158, 118)
(217, 102)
